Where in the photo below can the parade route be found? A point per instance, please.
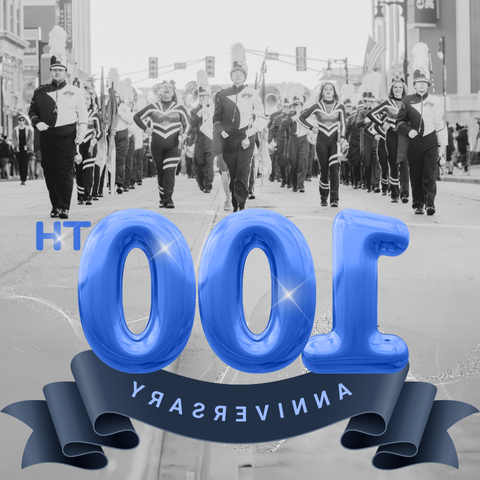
(428, 296)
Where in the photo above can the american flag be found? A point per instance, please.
(372, 54)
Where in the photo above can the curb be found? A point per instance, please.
(460, 180)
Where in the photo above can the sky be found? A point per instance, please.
(190, 30)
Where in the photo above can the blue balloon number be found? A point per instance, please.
(353, 346)
(100, 287)
(220, 291)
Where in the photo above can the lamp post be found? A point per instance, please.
(339, 60)
(404, 13)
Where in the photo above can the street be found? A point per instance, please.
(429, 296)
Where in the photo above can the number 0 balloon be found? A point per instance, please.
(100, 287)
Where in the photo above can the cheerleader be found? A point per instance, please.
(170, 123)
(84, 170)
(384, 115)
(330, 116)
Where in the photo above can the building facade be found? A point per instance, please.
(12, 47)
(451, 29)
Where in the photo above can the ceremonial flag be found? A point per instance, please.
(372, 54)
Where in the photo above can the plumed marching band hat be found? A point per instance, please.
(238, 59)
(421, 63)
(202, 83)
(347, 102)
(57, 43)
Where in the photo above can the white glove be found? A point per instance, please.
(412, 133)
(224, 134)
(149, 131)
(42, 126)
(245, 143)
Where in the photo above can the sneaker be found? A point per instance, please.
(132, 187)
(294, 189)
(63, 213)
(139, 182)
(88, 201)
(289, 186)
(100, 195)
(119, 190)
(334, 204)
(355, 186)
(80, 201)
(282, 185)
(226, 206)
(394, 199)
(323, 203)
(54, 213)
(430, 211)
(207, 190)
(251, 196)
(169, 205)
(95, 199)
(369, 190)
(404, 199)
(22, 183)
(301, 190)
(419, 211)
(384, 193)
(126, 189)
(377, 190)
(161, 204)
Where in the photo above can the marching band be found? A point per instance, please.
(352, 138)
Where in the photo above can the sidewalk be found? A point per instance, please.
(461, 176)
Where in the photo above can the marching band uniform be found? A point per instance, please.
(297, 147)
(352, 134)
(239, 114)
(421, 118)
(203, 152)
(385, 114)
(88, 150)
(58, 110)
(330, 117)
(272, 137)
(169, 122)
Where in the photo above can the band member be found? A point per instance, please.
(58, 111)
(88, 148)
(384, 115)
(421, 119)
(298, 146)
(272, 140)
(352, 134)
(170, 122)
(202, 154)
(239, 114)
(280, 138)
(330, 116)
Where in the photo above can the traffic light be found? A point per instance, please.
(210, 66)
(153, 67)
(301, 57)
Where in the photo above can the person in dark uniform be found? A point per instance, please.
(239, 114)
(384, 115)
(202, 152)
(330, 116)
(170, 122)
(58, 110)
(22, 139)
(421, 119)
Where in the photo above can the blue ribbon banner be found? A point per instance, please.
(77, 418)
